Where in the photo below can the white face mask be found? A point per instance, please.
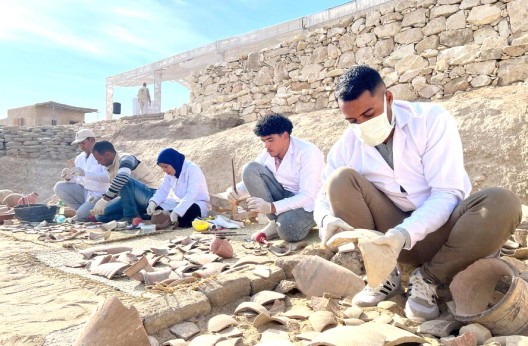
(376, 130)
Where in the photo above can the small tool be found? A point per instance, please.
(233, 171)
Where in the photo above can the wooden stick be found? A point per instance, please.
(234, 179)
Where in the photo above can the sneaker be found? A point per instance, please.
(372, 296)
(421, 303)
(270, 231)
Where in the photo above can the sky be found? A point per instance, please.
(63, 50)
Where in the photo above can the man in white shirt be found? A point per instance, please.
(399, 169)
(283, 181)
(143, 96)
(84, 183)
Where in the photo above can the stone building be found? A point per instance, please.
(46, 113)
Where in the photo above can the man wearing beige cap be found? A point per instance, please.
(85, 183)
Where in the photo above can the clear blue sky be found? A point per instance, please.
(63, 50)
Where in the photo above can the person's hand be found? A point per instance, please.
(151, 207)
(66, 174)
(77, 171)
(394, 239)
(174, 217)
(100, 207)
(232, 196)
(259, 205)
(332, 225)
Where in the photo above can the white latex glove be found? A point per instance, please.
(77, 171)
(394, 239)
(174, 217)
(333, 225)
(66, 174)
(100, 207)
(232, 196)
(259, 205)
(151, 207)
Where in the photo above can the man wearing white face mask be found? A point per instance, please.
(399, 169)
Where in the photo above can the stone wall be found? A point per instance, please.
(424, 49)
(54, 142)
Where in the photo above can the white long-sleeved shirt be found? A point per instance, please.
(190, 188)
(299, 173)
(428, 164)
(95, 179)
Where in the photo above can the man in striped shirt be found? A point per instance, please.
(132, 185)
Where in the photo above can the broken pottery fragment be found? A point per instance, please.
(379, 261)
(152, 277)
(348, 336)
(220, 322)
(298, 312)
(229, 342)
(177, 264)
(474, 288)
(230, 332)
(134, 270)
(187, 270)
(160, 251)
(322, 319)
(286, 286)
(113, 324)
(221, 247)
(262, 271)
(279, 306)
(203, 258)
(250, 306)
(252, 259)
(109, 226)
(185, 330)
(393, 335)
(266, 297)
(265, 318)
(210, 269)
(347, 237)
(206, 340)
(89, 252)
(308, 336)
(109, 270)
(274, 335)
(127, 257)
(438, 327)
(316, 276)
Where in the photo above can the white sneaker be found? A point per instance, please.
(421, 302)
(271, 231)
(372, 296)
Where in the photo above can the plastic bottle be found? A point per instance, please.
(60, 218)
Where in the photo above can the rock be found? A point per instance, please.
(481, 333)
(185, 330)
(113, 324)
(440, 328)
(465, 339)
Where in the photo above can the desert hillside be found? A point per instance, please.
(493, 122)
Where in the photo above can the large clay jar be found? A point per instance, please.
(221, 247)
(28, 199)
(12, 199)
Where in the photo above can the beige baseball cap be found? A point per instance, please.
(82, 134)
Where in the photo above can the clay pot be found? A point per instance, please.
(160, 218)
(28, 199)
(12, 199)
(221, 247)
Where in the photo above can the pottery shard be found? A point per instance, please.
(88, 253)
(347, 237)
(348, 336)
(321, 319)
(220, 322)
(379, 261)
(265, 297)
(250, 306)
(316, 276)
(113, 324)
(185, 330)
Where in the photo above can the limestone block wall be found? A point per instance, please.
(424, 49)
(43, 142)
(54, 142)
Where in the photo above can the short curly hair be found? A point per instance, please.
(273, 124)
(354, 82)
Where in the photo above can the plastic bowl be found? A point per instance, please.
(36, 212)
